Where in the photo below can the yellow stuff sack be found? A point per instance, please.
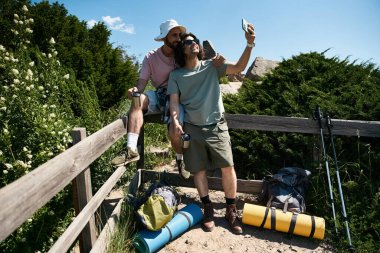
(159, 208)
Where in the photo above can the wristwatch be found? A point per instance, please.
(250, 45)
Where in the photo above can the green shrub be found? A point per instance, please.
(224, 80)
(344, 90)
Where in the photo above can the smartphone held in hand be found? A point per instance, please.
(244, 25)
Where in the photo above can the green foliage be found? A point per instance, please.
(40, 102)
(344, 90)
(224, 80)
(126, 229)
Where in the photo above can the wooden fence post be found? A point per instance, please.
(140, 148)
(82, 193)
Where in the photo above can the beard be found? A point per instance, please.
(172, 45)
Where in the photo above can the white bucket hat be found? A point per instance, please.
(165, 28)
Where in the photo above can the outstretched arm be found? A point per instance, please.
(239, 66)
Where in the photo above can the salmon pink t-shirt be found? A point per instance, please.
(157, 67)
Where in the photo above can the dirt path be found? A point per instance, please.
(222, 240)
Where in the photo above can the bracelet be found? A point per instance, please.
(251, 45)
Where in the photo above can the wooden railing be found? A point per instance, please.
(285, 124)
(22, 198)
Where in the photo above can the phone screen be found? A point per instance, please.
(244, 25)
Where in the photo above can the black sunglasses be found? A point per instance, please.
(189, 42)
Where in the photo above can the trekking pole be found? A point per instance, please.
(329, 126)
(318, 116)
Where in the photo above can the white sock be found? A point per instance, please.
(132, 140)
(179, 156)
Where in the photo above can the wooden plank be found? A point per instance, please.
(214, 183)
(82, 193)
(29, 193)
(295, 125)
(355, 128)
(303, 125)
(102, 243)
(68, 237)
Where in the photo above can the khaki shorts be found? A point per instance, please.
(210, 147)
(158, 103)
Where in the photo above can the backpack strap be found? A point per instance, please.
(286, 203)
(270, 201)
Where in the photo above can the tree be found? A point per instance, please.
(86, 51)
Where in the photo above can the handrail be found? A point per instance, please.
(69, 236)
(294, 124)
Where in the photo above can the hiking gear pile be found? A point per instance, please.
(156, 207)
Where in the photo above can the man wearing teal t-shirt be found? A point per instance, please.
(195, 85)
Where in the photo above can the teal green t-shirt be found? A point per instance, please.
(199, 92)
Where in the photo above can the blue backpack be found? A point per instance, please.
(286, 189)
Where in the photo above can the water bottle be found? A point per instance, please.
(136, 99)
(185, 140)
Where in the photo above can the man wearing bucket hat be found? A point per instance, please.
(156, 67)
(196, 85)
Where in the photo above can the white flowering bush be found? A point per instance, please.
(34, 125)
(40, 102)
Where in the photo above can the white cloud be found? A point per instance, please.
(117, 23)
(91, 23)
(111, 21)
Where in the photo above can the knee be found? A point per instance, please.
(200, 175)
(228, 171)
(172, 132)
(137, 111)
(144, 102)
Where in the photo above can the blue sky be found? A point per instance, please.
(283, 27)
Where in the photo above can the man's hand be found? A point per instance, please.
(130, 91)
(218, 60)
(140, 87)
(250, 35)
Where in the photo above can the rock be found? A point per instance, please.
(159, 151)
(260, 67)
(230, 88)
(235, 77)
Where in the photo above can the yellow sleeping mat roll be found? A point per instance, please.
(288, 222)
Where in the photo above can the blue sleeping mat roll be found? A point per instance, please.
(148, 241)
